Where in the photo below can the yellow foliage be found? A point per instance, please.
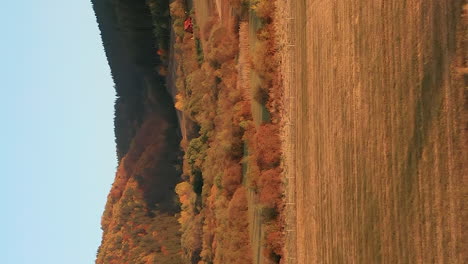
(179, 104)
(210, 96)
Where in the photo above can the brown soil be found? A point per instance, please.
(375, 130)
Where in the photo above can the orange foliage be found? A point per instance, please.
(136, 218)
(119, 183)
(270, 187)
(164, 250)
(210, 95)
(264, 8)
(269, 146)
(222, 47)
(274, 240)
(235, 244)
(232, 178)
(131, 232)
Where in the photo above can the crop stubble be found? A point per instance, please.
(374, 131)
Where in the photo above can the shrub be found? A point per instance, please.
(263, 8)
(180, 102)
(196, 153)
(268, 214)
(177, 9)
(270, 187)
(274, 241)
(232, 178)
(223, 47)
(269, 146)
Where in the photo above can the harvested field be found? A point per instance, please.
(375, 130)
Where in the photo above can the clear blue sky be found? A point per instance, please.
(57, 151)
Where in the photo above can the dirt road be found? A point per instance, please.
(378, 138)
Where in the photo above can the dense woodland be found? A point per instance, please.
(139, 223)
(131, 44)
(232, 156)
(185, 200)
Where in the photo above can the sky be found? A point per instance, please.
(57, 150)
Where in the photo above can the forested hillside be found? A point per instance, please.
(139, 223)
(131, 47)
